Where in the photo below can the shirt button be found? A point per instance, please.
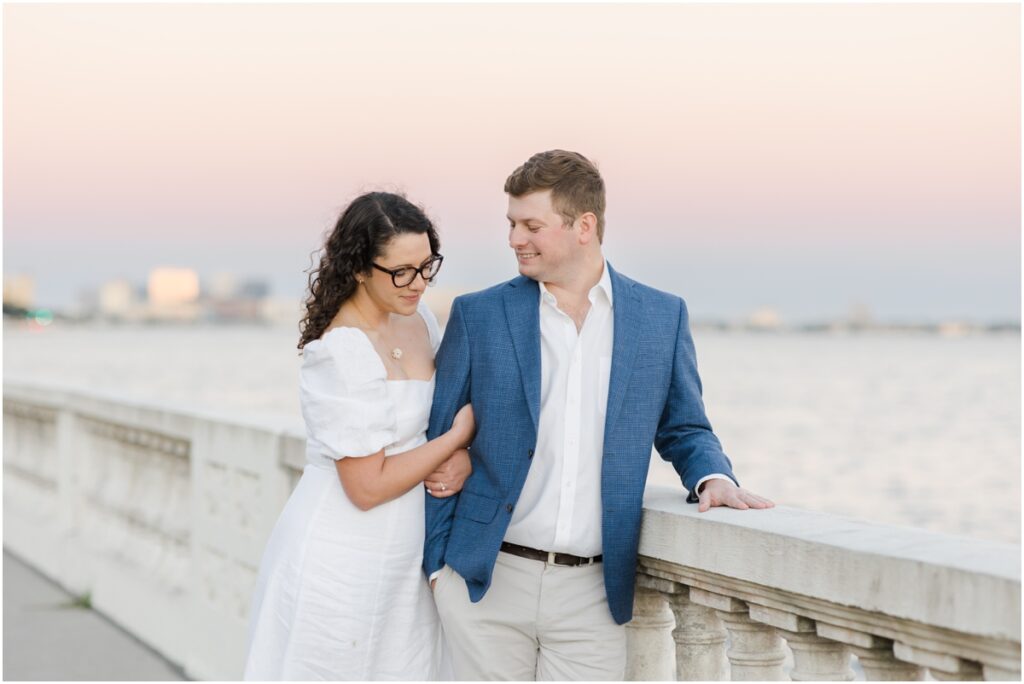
(509, 508)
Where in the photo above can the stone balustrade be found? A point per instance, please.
(736, 588)
(160, 513)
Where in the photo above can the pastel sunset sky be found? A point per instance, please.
(808, 158)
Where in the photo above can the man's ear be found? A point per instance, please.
(588, 227)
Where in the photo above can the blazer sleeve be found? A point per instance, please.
(451, 392)
(684, 436)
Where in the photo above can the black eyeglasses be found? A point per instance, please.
(403, 277)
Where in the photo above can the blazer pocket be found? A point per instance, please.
(657, 366)
(482, 509)
(652, 360)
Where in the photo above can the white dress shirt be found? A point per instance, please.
(559, 508)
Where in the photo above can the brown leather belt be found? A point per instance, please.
(549, 556)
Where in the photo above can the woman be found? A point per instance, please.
(340, 592)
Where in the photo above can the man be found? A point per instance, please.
(573, 371)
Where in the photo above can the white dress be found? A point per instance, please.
(341, 593)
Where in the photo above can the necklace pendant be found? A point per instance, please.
(396, 353)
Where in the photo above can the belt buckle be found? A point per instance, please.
(551, 558)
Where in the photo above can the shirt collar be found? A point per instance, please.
(603, 285)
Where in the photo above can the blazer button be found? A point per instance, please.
(530, 453)
(509, 508)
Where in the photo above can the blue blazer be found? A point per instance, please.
(490, 356)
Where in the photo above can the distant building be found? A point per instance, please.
(170, 286)
(860, 316)
(765, 318)
(173, 294)
(118, 299)
(223, 286)
(254, 289)
(19, 291)
(954, 329)
(228, 299)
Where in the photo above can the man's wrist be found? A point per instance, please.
(714, 476)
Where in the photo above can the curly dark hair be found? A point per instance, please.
(359, 237)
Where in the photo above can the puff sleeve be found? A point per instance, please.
(344, 398)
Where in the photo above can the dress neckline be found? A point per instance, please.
(374, 349)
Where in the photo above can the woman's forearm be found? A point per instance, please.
(377, 479)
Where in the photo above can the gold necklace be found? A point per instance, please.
(396, 353)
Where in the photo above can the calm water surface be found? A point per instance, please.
(910, 430)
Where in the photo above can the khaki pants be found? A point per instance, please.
(537, 621)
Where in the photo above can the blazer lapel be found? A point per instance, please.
(627, 310)
(522, 310)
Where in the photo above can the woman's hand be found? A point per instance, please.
(450, 475)
(464, 426)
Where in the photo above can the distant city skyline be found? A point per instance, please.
(288, 287)
(808, 159)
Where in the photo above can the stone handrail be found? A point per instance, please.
(160, 513)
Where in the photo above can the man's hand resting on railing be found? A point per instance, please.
(719, 492)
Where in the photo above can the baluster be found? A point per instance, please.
(966, 671)
(880, 664)
(700, 640)
(649, 637)
(815, 658)
(875, 654)
(940, 665)
(995, 673)
(969, 672)
(756, 653)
